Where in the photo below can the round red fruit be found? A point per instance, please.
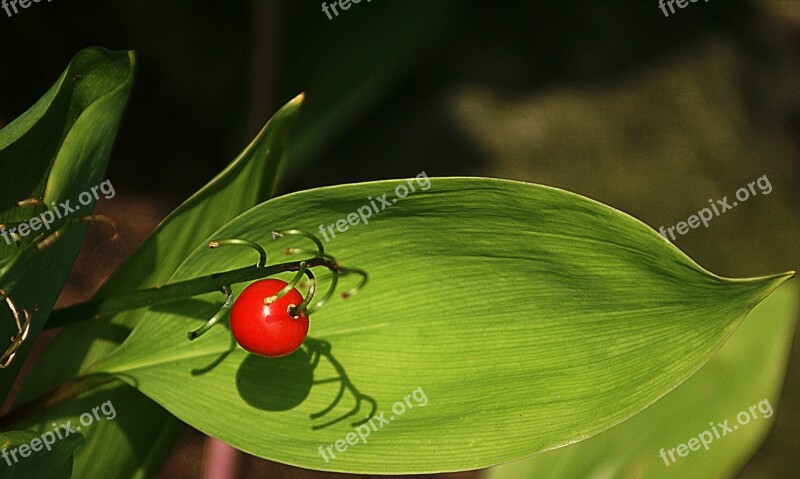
(268, 329)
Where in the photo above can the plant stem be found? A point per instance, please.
(105, 307)
(66, 391)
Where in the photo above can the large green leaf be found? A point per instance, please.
(249, 179)
(524, 317)
(748, 370)
(55, 151)
(52, 457)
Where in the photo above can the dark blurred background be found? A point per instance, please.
(611, 99)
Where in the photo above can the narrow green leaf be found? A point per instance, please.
(523, 318)
(141, 446)
(54, 152)
(747, 371)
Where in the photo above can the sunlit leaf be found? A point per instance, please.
(522, 317)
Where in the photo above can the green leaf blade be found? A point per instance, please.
(530, 317)
(55, 151)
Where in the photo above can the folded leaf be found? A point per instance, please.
(54, 152)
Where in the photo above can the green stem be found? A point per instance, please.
(289, 286)
(262, 255)
(327, 295)
(105, 307)
(192, 335)
(312, 287)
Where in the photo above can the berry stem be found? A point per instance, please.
(312, 287)
(289, 286)
(320, 249)
(262, 255)
(192, 335)
(328, 293)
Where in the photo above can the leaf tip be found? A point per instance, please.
(298, 100)
(783, 277)
(773, 282)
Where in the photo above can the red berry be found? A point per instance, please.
(268, 329)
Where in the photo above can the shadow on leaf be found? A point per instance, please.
(217, 361)
(322, 349)
(280, 384)
(275, 384)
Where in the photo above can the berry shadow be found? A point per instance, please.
(275, 384)
(280, 384)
